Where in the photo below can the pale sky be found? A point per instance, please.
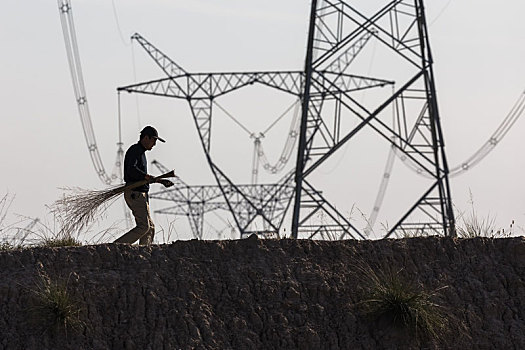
(478, 48)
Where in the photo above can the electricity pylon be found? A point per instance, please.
(400, 26)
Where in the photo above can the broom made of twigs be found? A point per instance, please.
(80, 208)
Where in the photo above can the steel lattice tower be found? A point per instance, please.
(405, 32)
(337, 33)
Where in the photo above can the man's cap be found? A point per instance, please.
(151, 132)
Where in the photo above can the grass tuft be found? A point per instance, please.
(404, 305)
(64, 241)
(7, 246)
(53, 307)
(472, 225)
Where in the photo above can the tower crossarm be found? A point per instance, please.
(162, 60)
(212, 85)
(333, 82)
(185, 209)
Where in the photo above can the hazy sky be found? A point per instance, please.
(478, 48)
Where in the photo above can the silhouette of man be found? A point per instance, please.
(136, 169)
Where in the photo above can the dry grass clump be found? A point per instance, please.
(6, 246)
(472, 225)
(12, 236)
(53, 307)
(48, 234)
(389, 298)
(65, 241)
(5, 203)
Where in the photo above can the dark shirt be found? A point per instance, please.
(136, 166)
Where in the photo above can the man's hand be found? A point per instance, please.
(148, 177)
(165, 183)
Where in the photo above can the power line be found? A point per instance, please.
(115, 15)
(69, 33)
(501, 131)
(440, 12)
(496, 137)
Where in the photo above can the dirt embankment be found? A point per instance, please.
(264, 294)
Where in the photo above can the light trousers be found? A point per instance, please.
(145, 229)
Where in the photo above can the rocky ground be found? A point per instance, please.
(263, 294)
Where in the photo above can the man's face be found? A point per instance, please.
(148, 142)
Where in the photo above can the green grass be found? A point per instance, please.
(53, 307)
(390, 299)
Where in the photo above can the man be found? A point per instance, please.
(136, 169)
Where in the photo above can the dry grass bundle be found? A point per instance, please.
(80, 208)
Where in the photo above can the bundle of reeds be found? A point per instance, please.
(80, 207)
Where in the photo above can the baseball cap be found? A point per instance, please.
(151, 132)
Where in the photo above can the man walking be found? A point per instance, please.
(136, 169)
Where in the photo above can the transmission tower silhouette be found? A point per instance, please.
(405, 116)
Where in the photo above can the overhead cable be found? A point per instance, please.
(504, 127)
(496, 137)
(68, 30)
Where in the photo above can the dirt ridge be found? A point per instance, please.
(264, 294)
